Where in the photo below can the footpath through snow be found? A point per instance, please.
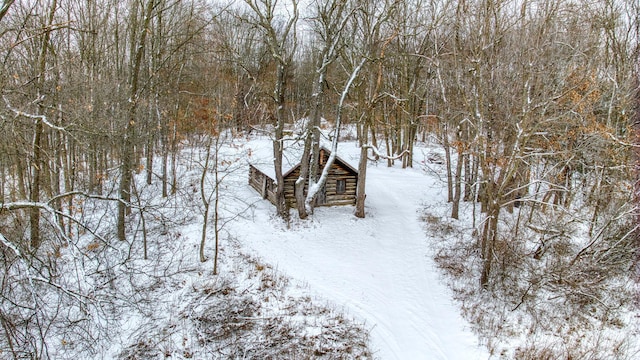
(377, 268)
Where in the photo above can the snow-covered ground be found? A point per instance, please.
(377, 269)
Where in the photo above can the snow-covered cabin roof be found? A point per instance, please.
(291, 161)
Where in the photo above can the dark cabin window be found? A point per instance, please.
(341, 186)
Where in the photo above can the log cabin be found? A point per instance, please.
(340, 188)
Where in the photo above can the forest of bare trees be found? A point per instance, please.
(532, 102)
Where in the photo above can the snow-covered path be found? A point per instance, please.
(377, 267)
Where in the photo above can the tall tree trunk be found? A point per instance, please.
(447, 157)
(36, 167)
(174, 155)
(165, 163)
(457, 184)
(38, 163)
(469, 178)
(309, 153)
(22, 182)
(169, 143)
(282, 52)
(240, 117)
(69, 161)
(128, 148)
(216, 209)
(278, 143)
(58, 172)
(205, 199)
(489, 235)
(315, 188)
(149, 157)
(332, 17)
(362, 180)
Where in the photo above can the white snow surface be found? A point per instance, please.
(378, 269)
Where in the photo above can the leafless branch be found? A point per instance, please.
(42, 118)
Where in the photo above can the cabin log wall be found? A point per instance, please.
(339, 170)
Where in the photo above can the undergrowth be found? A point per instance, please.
(546, 300)
(250, 312)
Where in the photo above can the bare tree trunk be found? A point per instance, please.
(457, 184)
(469, 178)
(70, 159)
(315, 188)
(22, 182)
(489, 236)
(388, 145)
(282, 42)
(149, 157)
(331, 22)
(362, 180)
(128, 149)
(165, 163)
(174, 162)
(447, 157)
(205, 199)
(278, 144)
(216, 210)
(38, 163)
(34, 217)
(59, 175)
(307, 161)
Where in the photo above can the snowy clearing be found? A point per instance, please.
(377, 268)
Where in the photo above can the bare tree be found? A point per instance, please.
(374, 42)
(330, 21)
(207, 195)
(281, 39)
(316, 187)
(138, 45)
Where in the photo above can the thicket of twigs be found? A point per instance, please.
(570, 296)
